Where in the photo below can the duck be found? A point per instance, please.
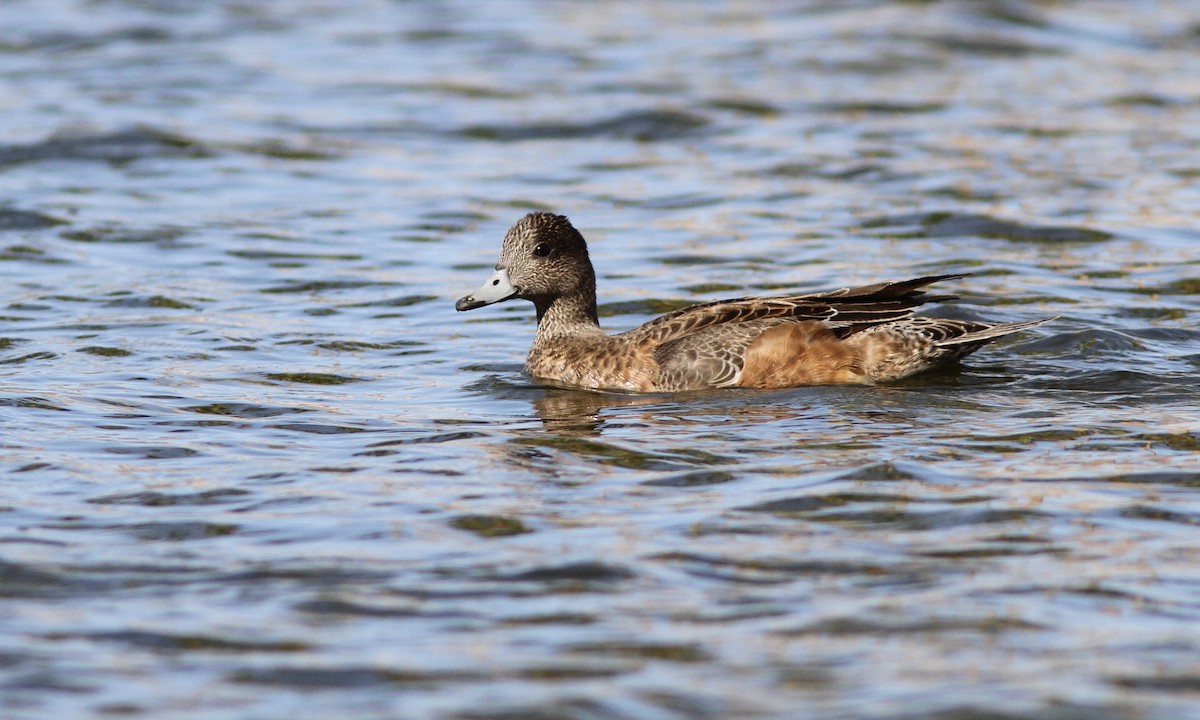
(854, 335)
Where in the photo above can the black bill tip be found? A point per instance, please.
(468, 303)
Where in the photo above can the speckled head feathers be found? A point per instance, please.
(543, 259)
(546, 227)
(546, 257)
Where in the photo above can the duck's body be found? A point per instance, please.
(853, 335)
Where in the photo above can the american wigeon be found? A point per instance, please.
(854, 335)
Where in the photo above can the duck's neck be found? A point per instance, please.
(573, 314)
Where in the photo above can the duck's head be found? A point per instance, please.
(543, 258)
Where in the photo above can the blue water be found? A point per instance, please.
(255, 466)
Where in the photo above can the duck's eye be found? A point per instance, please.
(542, 250)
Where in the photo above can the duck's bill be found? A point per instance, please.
(496, 289)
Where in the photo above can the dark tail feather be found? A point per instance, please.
(898, 290)
(991, 332)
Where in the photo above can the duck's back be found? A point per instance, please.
(853, 335)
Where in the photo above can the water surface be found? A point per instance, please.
(256, 466)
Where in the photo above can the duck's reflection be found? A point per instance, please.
(837, 416)
(578, 412)
(671, 437)
(585, 413)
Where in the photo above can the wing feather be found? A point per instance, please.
(853, 308)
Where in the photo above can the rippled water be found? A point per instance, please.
(254, 464)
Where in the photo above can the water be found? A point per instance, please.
(256, 466)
